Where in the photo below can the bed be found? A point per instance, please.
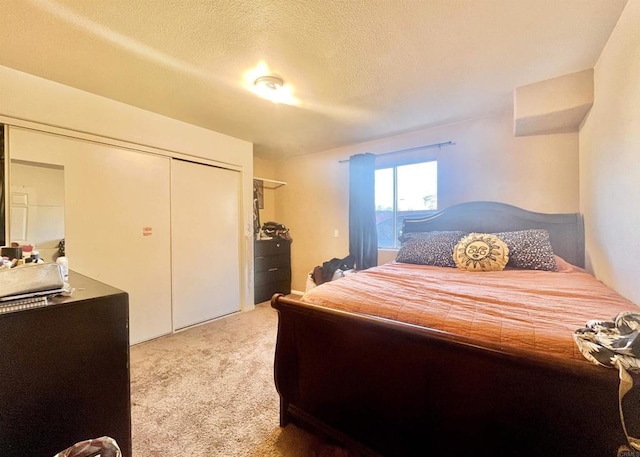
(385, 376)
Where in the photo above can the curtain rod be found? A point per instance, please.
(417, 148)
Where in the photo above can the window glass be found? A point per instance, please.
(404, 191)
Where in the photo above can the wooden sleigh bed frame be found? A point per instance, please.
(388, 388)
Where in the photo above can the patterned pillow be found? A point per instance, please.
(429, 248)
(481, 252)
(529, 250)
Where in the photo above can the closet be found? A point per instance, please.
(205, 245)
(165, 231)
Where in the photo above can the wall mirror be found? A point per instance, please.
(36, 206)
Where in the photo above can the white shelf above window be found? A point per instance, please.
(270, 183)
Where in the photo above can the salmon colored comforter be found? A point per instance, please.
(529, 310)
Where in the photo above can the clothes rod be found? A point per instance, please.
(273, 183)
(417, 148)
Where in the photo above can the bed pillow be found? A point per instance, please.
(562, 266)
(429, 248)
(481, 252)
(529, 249)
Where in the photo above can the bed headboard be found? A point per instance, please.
(566, 230)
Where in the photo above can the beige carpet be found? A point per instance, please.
(209, 391)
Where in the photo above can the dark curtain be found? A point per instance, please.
(363, 236)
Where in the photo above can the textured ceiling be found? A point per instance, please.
(362, 69)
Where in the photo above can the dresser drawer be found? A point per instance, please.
(273, 275)
(264, 293)
(265, 248)
(274, 261)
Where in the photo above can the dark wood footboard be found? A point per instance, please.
(394, 389)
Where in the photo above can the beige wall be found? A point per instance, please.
(555, 105)
(554, 95)
(539, 173)
(610, 160)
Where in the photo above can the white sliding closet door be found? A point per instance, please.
(116, 220)
(205, 242)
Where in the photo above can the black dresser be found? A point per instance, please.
(64, 372)
(272, 268)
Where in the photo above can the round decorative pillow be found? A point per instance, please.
(481, 252)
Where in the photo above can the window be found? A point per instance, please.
(404, 191)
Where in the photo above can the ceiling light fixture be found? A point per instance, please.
(265, 84)
(269, 83)
(271, 88)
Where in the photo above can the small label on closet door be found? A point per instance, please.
(147, 231)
